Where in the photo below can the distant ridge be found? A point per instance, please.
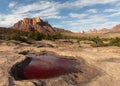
(61, 30)
(105, 30)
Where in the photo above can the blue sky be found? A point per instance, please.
(74, 15)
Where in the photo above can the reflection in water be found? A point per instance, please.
(43, 67)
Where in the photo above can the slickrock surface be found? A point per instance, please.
(100, 66)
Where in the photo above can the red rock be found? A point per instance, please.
(104, 30)
(116, 28)
(34, 24)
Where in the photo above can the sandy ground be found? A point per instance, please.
(100, 66)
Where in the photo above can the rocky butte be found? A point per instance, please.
(34, 24)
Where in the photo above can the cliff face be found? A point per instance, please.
(116, 28)
(34, 24)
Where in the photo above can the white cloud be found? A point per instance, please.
(51, 12)
(108, 25)
(38, 6)
(31, 7)
(78, 26)
(114, 14)
(84, 3)
(76, 15)
(0, 16)
(92, 11)
(12, 4)
(44, 9)
(96, 16)
(118, 4)
(110, 10)
(93, 19)
(9, 20)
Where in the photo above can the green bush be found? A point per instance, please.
(98, 42)
(35, 35)
(39, 36)
(115, 42)
(16, 37)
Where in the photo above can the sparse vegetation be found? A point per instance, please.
(98, 42)
(115, 42)
(11, 34)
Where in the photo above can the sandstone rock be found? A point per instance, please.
(116, 28)
(104, 30)
(33, 24)
(8, 59)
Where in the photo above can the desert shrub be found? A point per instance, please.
(16, 37)
(51, 36)
(82, 39)
(39, 36)
(35, 35)
(105, 39)
(56, 36)
(98, 42)
(115, 42)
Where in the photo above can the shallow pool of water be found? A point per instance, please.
(43, 67)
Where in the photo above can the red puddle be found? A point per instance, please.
(43, 67)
